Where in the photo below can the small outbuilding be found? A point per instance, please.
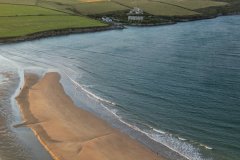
(107, 19)
(135, 18)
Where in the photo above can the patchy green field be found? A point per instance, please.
(156, 8)
(20, 20)
(65, 1)
(83, 7)
(22, 17)
(21, 10)
(91, 8)
(24, 25)
(28, 2)
(193, 4)
(67, 8)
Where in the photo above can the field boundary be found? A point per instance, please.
(172, 5)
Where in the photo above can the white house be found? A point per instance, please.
(135, 14)
(135, 18)
(135, 11)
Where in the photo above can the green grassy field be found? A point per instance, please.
(66, 7)
(20, 26)
(156, 8)
(99, 7)
(170, 7)
(27, 2)
(21, 10)
(193, 4)
(20, 20)
(22, 17)
(65, 1)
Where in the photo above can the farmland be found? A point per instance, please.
(26, 2)
(90, 8)
(24, 17)
(156, 8)
(153, 7)
(21, 10)
(193, 4)
(24, 25)
(22, 20)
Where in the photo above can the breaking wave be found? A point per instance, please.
(174, 143)
(90, 94)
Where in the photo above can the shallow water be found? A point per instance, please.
(15, 143)
(178, 85)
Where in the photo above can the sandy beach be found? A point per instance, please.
(68, 132)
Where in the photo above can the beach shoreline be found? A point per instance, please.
(66, 131)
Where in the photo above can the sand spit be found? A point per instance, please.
(68, 132)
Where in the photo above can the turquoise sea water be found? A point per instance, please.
(176, 85)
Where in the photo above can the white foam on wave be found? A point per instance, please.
(90, 94)
(182, 139)
(206, 147)
(176, 144)
(184, 149)
(159, 131)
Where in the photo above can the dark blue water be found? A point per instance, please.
(177, 84)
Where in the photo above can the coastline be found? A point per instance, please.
(57, 32)
(67, 131)
(17, 50)
(68, 31)
(180, 20)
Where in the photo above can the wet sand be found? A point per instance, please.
(69, 132)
